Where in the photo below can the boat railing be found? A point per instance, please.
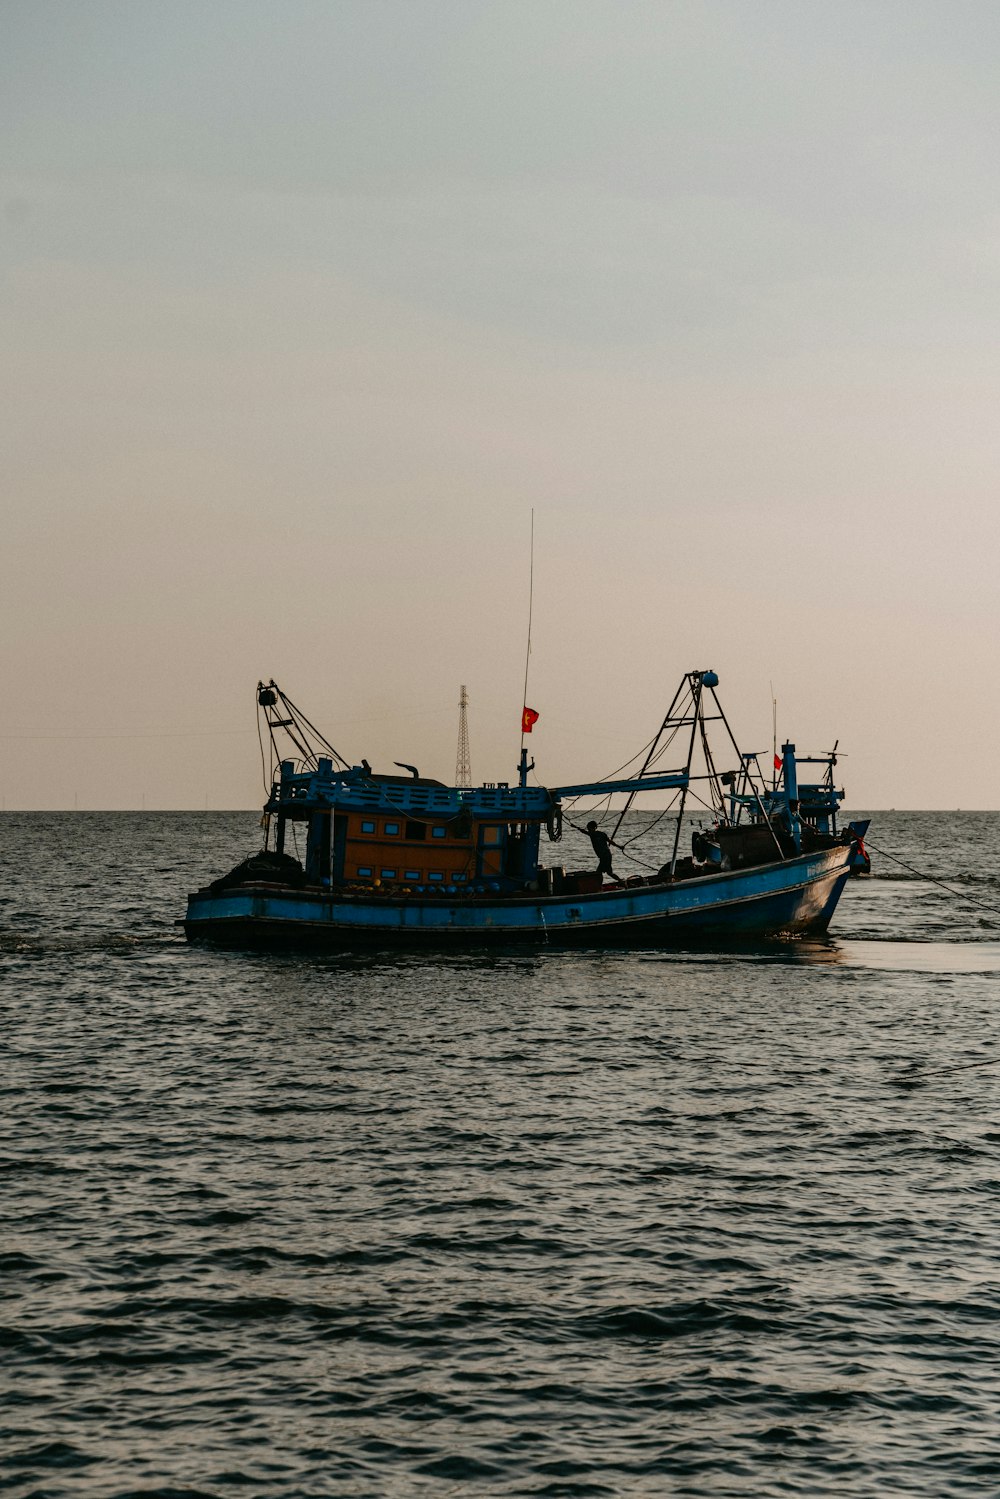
(446, 802)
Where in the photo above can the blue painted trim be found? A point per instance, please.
(799, 894)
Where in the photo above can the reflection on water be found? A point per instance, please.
(521, 964)
(922, 957)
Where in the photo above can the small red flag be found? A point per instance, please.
(528, 719)
(778, 762)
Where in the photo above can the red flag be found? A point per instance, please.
(778, 762)
(528, 720)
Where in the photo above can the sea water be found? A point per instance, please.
(672, 1222)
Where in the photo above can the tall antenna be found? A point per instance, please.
(463, 761)
(531, 600)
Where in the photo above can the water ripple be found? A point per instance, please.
(557, 1224)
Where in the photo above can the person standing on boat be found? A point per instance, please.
(602, 848)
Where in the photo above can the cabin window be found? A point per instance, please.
(391, 829)
(492, 835)
(435, 876)
(439, 832)
(416, 831)
(411, 874)
(387, 874)
(364, 871)
(367, 827)
(459, 878)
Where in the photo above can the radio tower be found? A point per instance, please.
(463, 764)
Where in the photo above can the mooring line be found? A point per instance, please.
(958, 1067)
(922, 875)
(919, 1073)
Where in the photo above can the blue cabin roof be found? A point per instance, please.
(357, 790)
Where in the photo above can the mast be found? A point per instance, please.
(523, 766)
(463, 759)
(688, 710)
(698, 681)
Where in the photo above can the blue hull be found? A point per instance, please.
(798, 895)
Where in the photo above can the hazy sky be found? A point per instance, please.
(306, 305)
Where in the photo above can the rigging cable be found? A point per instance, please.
(643, 832)
(612, 774)
(302, 720)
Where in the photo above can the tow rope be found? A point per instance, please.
(931, 880)
(917, 1073)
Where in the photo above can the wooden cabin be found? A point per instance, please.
(402, 850)
(412, 846)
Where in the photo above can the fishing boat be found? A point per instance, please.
(400, 858)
